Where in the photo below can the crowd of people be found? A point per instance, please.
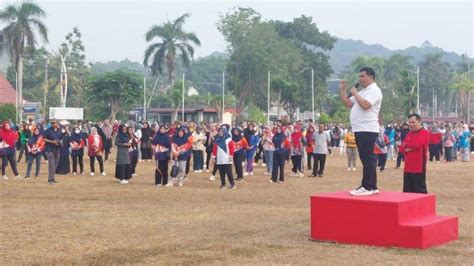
(230, 150)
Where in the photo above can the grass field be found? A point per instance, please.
(95, 220)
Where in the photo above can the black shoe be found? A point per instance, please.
(27, 177)
(312, 176)
(320, 175)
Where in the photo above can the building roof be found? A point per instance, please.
(7, 91)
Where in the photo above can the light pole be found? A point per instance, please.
(268, 97)
(223, 96)
(312, 89)
(182, 101)
(418, 89)
(144, 98)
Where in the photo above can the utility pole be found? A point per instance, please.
(312, 92)
(46, 85)
(418, 89)
(223, 96)
(268, 98)
(182, 100)
(144, 98)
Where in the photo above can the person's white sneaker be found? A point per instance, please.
(301, 175)
(375, 191)
(361, 191)
(264, 164)
(123, 181)
(212, 178)
(134, 175)
(74, 173)
(354, 169)
(180, 183)
(251, 173)
(271, 181)
(18, 177)
(246, 174)
(5, 177)
(266, 173)
(92, 174)
(170, 184)
(104, 174)
(159, 185)
(207, 170)
(293, 174)
(348, 169)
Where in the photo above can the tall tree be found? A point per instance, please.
(435, 75)
(119, 90)
(23, 24)
(255, 48)
(173, 41)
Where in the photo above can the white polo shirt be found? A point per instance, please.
(367, 120)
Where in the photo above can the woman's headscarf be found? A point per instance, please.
(162, 139)
(122, 137)
(310, 134)
(9, 136)
(278, 138)
(221, 141)
(296, 137)
(237, 137)
(180, 140)
(34, 138)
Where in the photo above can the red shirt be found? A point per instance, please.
(415, 159)
(94, 150)
(435, 137)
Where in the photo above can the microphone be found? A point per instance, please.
(356, 86)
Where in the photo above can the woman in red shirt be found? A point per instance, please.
(96, 148)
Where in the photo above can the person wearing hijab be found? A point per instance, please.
(351, 150)
(77, 144)
(222, 152)
(145, 141)
(123, 142)
(35, 146)
(209, 143)
(96, 147)
(64, 166)
(8, 138)
(240, 145)
(181, 150)
(189, 135)
(162, 147)
(309, 145)
(296, 151)
(198, 138)
(282, 145)
(133, 150)
(25, 134)
(268, 149)
(253, 140)
(435, 142)
(108, 133)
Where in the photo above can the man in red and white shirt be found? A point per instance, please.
(415, 150)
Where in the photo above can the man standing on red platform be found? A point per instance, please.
(415, 149)
(365, 107)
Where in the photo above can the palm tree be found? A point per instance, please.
(173, 41)
(21, 20)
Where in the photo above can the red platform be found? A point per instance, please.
(387, 219)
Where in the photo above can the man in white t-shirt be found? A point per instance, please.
(365, 107)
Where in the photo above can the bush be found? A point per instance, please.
(7, 111)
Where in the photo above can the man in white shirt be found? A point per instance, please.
(365, 107)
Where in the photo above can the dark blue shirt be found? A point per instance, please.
(52, 134)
